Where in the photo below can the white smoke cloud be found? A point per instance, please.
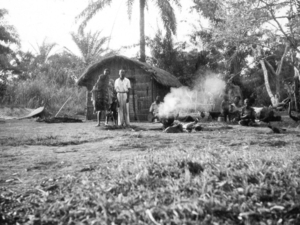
(206, 93)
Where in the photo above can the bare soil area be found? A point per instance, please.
(31, 151)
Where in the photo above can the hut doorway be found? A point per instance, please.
(133, 100)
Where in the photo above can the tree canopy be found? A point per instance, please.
(166, 14)
(262, 29)
(90, 45)
(8, 37)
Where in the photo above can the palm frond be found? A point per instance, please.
(177, 3)
(129, 8)
(43, 50)
(90, 46)
(167, 15)
(236, 58)
(90, 11)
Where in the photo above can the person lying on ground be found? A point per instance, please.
(247, 115)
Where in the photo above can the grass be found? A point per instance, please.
(194, 185)
(48, 140)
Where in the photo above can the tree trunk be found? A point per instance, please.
(278, 71)
(296, 89)
(266, 78)
(142, 32)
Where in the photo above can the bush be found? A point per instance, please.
(41, 92)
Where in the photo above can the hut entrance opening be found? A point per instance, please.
(133, 101)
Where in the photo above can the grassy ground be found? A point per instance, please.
(79, 174)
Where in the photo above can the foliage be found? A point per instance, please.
(47, 79)
(174, 58)
(240, 29)
(43, 51)
(8, 37)
(208, 9)
(90, 45)
(165, 8)
(48, 84)
(163, 54)
(3, 83)
(44, 92)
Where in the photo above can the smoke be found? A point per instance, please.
(204, 96)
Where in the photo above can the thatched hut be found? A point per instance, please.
(147, 82)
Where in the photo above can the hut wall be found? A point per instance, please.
(160, 90)
(143, 92)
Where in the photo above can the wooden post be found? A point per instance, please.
(89, 106)
(296, 93)
(62, 106)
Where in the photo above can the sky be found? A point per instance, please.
(53, 20)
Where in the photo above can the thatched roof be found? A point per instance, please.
(161, 76)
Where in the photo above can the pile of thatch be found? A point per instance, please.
(64, 119)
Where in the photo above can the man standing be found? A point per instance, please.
(122, 87)
(101, 96)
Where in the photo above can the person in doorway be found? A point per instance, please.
(154, 109)
(247, 114)
(101, 96)
(122, 87)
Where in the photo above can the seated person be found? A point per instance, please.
(247, 115)
(154, 108)
(234, 114)
(234, 109)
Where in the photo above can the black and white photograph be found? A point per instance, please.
(158, 112)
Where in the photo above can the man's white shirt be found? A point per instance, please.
(122, 85)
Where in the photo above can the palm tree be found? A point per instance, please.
(90, 46)
(43, 51)
(165, 8)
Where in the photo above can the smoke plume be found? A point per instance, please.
(204, 96)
